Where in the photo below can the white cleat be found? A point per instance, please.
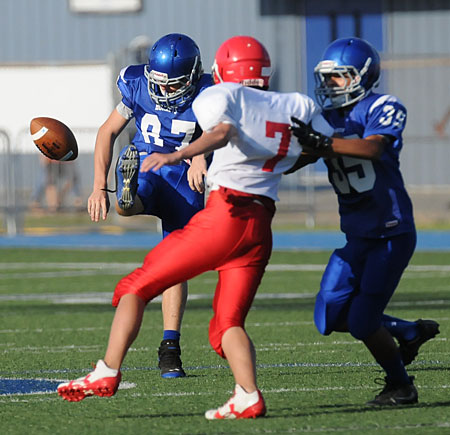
(103, 382)
(240, 405)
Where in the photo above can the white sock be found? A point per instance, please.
(241, 392)
(104, 370)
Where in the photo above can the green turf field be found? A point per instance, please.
(55, 319)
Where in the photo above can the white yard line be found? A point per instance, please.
(68, 372)
(105, 298)
(42, 270)
(266, 347)
(118, 267)
(132, 385)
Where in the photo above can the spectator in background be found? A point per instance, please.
(56, 182)
(69, 190)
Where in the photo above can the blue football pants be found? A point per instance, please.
(167, 195)
(358, 283)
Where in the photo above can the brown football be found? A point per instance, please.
(54, 139)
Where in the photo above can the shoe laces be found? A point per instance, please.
(381, 381)
(387, 385)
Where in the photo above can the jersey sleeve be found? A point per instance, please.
(309, 112)
(213, 107)
(125, 89)
(386, 116)
(126, 83)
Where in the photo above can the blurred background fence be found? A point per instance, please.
(62, 57)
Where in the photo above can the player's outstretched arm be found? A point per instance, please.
(318, 144)
(98, 201)
(371, 147)
(209, 141)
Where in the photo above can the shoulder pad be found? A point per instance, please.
(131, 72)
(379, 100)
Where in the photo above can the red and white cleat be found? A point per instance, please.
(103, 382)
(240, 405)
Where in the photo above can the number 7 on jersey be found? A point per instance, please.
(271, 129)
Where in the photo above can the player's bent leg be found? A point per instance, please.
(384, 264)
(127, 171)
(410, 335)
(103, 382)
(240, 405)
(399, 328)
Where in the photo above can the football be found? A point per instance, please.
(54, 139)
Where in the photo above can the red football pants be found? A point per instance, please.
(232, 235)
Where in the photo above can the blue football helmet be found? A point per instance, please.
(353, 59)
(174, 60)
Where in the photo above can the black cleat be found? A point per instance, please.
(394, 394)
(127, 170)
(428, 329)
(169, 359)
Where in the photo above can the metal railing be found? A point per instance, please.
(21, 175)
(424, 162)
(8, 199)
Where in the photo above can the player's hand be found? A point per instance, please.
(196, 173)
(157, 160)
(98, 205)
(310, 139)
(303, 160)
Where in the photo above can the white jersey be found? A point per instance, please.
(254, 159)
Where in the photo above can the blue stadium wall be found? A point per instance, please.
(294, 31)
(413, 37)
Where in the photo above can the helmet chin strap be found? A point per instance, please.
(339, 100)
(215, 69)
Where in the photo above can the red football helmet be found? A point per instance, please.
(244, 60)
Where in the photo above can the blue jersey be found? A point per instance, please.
(373, 201)
(157, 129)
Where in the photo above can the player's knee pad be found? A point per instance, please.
(328, 315)
(333, 298)
(216, 342)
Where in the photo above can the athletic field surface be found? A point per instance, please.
(55, 318)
